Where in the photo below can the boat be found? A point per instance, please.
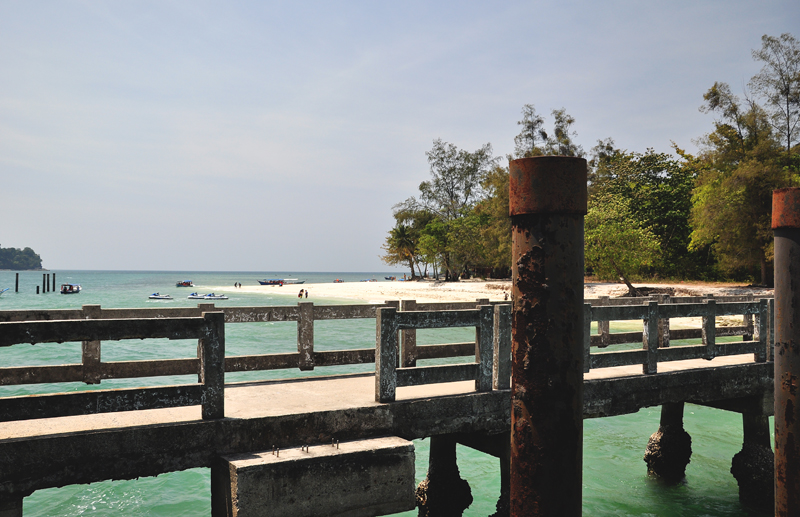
(390, 277)
(280, 281)
(158, 296)
(70, 288)
(210, 296)
(338, 281)
(184, 283)
(4, 290)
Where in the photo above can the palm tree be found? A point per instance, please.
(401, 247)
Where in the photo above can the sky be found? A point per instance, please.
(277, 136)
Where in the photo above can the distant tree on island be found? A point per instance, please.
(19, 260)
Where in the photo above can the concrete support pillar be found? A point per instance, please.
(547, 202)
(11, 508)
(669, 449)
(754, 465)
(443, 493)
(503, 506)
(786, 225)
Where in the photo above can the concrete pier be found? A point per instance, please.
(443, 493)
(669, 449)
(754, 465)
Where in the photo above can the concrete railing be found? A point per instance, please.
(604, 337)
(492, 349)
(656, 334)
(208, 329)
(92, 370)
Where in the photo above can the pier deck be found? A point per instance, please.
(51, 452)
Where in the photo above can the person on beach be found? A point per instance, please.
(300, 294)
(306, 293)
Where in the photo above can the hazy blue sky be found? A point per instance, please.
(275, 136)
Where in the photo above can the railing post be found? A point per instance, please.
(709, 331)
(747, 320)
(305, 335)
(761, 331)
(547, 203)
(386, 354)
(90, 350)
(603, 327)
(587, 337)
(501, 363)
(771, 340)
(650, 339)
(786, 226)
(663, 323)
(211, 351)
(408, 338)
(484, 350)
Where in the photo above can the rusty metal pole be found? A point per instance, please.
(547, 202)
(786, 225)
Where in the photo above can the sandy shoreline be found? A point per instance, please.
(470, 290)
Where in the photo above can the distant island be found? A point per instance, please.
(19, 260)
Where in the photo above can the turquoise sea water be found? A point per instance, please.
(615, 480)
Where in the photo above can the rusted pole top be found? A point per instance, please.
(547, 185)
(786, 208)
(547, 202)
(786, 225)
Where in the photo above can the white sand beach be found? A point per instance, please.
(470, 290)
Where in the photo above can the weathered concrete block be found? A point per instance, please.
(360, 478)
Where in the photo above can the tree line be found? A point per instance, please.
(658, 215)
(18, 260)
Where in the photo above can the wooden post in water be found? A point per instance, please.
(16, 284)
(548, 198)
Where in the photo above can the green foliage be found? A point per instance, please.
(742, 161)
(533, 140)
(657, 189)
(618, 245)
(450, 235)
(456, 179)
(496, 232)
(18, 260)
(778, 83)
(400, 247)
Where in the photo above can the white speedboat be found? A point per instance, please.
(158, 296)
(210, 296)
